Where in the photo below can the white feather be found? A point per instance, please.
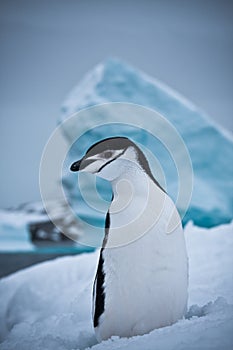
(145, 260)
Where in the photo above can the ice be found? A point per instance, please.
(48, 306)
(209, 146)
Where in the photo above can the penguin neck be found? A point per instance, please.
(131, 185)
(129, 213)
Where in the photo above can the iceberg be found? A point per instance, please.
(210, 147)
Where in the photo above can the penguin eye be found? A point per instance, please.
(108, 154)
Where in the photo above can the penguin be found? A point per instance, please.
(141, 282)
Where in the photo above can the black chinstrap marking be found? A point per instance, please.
(110, 161)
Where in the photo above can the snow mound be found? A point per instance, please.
(210, 148)
(48, 306)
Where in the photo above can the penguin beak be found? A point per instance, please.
(76, 166)
(81, 164)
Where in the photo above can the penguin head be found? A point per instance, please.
(108, 158)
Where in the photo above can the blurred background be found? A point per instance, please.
(47, 46)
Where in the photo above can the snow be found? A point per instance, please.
(209, 146)
(48, 306)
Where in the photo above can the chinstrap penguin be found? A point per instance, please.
(142, 276)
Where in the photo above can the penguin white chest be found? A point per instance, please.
(145, 271)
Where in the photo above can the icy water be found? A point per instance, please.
(13, 262)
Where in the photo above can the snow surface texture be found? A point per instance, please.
(49, 306)
(210, 148)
